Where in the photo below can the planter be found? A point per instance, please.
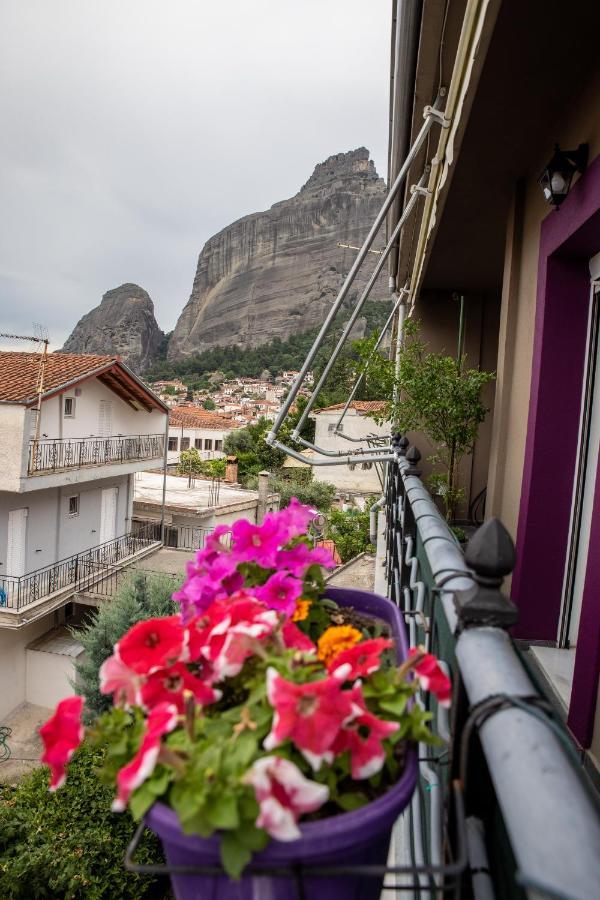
(361, 837)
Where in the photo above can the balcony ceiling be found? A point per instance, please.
(541, 55)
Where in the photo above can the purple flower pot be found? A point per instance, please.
(356, 838)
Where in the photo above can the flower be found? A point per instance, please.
(256, 543)
(280, 592)
(292, 521)
(171, 686)
(302, 610)
(335, 639)
(310, 715)
(62, 735)
(152, 644)
(358, 661)
(362, 737)
(283, 795)
(161, 720)
(215, 581)
(293, 637)
(119, 680)
(301, 557)
(431, 675)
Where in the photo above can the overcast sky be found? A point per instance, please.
(133, 130)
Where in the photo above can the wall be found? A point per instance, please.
(364, 481)
(13, 436)
(49, 677)
(212, 434)
(13, 667)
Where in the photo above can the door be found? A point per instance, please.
(585, 481)
(108, 515)
(17, 542)
(105, 428)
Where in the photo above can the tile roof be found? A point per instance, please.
(194, 417)
(359, 406)
(19, 372)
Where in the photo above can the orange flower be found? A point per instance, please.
(302, 609)
(336, 639)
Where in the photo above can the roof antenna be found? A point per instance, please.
(40, 338)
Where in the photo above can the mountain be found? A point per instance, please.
(122, 324)
(276, 273)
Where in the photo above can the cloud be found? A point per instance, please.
(133, 130)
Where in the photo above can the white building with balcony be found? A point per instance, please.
(356, 429)
(68, 456)
(201, 429)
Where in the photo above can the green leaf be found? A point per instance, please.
(395, 705)
(234, 855)
(141, 800)
(223, 812)
(252, 838)
(348, 802)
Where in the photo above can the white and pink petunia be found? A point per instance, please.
(283, 795)
(118, 679)
(62, 734)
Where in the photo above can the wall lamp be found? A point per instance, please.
(556, 178)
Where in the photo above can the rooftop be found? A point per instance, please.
(359, 406)
(148, 489)
(194, 417)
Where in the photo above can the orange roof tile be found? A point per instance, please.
(193, 417)
(360, 406)
(19, 372)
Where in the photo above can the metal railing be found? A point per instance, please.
(531, 822)
(111, 578)
(56, 454)
(76, 572)
(179, 537)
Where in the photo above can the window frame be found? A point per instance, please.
(173, 440)
(184, 444)
(68, 415)
(72, 514)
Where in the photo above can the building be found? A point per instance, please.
(68, 456)
(354, 478)
(201, 429)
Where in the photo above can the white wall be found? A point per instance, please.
(14, 436)
(49, 677)
(203, 434)
(358, 480)
(13, 665)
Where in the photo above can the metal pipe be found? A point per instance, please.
(373, 519)
(416, 193)
(432, 115)
(338, 461)
(164, 484)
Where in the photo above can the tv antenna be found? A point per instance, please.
(41, 341)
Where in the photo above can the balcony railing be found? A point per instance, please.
(77, 572)
(531, 824)
(57, 454)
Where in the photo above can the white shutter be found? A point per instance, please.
(108, 515)
(17, 532)
(105, 418)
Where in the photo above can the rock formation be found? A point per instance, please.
(122, 324)
(277, 272)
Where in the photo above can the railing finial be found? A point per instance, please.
(491, 555)
(413, 455)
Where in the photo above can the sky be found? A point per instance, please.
(133, 130)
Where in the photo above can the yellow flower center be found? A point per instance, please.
(335, 639)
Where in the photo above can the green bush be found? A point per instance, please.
(350, 531)
(68, 844)
(319, 494)
(141, 597)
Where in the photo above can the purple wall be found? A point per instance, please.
(568, 239)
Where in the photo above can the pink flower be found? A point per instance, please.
(152, 644)
(358, 661)
(280, 592)
(310, 715)
(298, 559)
(283, 795)
(171, 685)
(119, 680)
(362, 737)
(293, 637)
(256, 543)
(215, 581)
(62, 734)
(431, 676)
(161, 720)
(292, 521)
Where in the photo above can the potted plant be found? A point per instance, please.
(270, 724)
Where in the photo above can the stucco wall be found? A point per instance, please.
(49, 677)
(212, 434)
(13, 662)
(357, 480)
(13, 437)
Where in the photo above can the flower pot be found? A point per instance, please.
(356, 838)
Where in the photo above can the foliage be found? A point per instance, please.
(191, 463)
(349, 529)
(209, 403)
(317, 494)
(437, 395)
(69, 844)
(141, 597)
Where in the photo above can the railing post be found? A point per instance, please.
(491, 555)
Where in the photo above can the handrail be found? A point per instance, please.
(55, 454)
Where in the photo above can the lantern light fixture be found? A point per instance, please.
(556, 178)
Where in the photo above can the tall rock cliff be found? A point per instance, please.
(277, 272)
(123, 324)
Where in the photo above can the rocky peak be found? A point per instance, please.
(122, 324)
(330, 175)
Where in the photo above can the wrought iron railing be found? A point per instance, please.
(180, 537)
(76, 572)
(55, 454)
(503, 745)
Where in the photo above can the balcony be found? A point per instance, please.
(59, 454)
(80, 572)
(529, 822)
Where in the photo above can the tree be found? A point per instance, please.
(349, 529)
(319, 494)
(209, 403)
(190, 463)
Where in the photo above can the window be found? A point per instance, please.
(74, 505)
(218, 445)
(198, 443)
(69, 407)
(185, 443)
(173, 443)
(208, 443)
(332, 427)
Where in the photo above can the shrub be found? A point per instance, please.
(319, 494)
(141, 597)
(350, 531)
(68, 844)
